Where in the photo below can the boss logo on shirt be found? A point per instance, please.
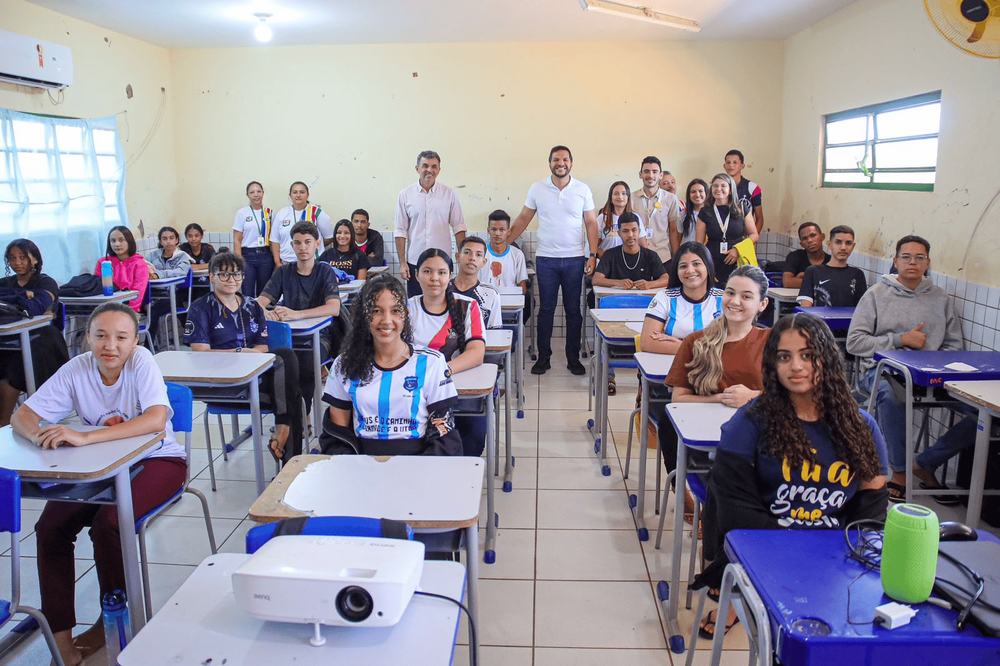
(410, 383)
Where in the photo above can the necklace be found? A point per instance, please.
(625, 261)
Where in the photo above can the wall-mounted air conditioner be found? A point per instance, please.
(25, 61)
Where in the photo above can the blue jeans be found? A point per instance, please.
(890, 413)
(258, 264)
(554, 274)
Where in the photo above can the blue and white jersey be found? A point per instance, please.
(397, 402)
(681, 316)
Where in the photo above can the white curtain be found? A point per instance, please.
(62, 185)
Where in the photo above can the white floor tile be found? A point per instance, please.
(231, 500)
(516, 508)
(584, 509)
(505, 613)
(600, 657)
(591, 614)
(515, 551)
(590, 555)
(494, 656)
(577, 474)
(184, 539)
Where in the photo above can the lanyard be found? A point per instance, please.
(649, 204)
(723, 226)
(263, 221)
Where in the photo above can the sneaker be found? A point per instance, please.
(540, 366)
(576, 367)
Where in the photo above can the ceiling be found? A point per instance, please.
(189, 24)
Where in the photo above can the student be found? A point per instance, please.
(812, 254)
(116, 385)
(167, 261)
(908, 311)
(685, 231)
(834, 284)
(251, 231)
(657, 208)
(226, 320)
(630, 266)
(748, 193)
(35, 292)
(453, 325)
(800, 456)
(344, 253)
(619, 202)
(722, 224)
(505, 264)
(367, 239)
(286, 219)
(381, 359)
(307, 288)
(200, 253)
(471, 260)
(130, 269)
(427, 214)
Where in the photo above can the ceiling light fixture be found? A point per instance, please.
(640, 14)
(263, 31)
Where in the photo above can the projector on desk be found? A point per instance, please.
(337, 581)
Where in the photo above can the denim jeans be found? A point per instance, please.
(890, 413)
(258, 264)
(553, 274)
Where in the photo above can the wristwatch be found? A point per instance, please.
(593, 255)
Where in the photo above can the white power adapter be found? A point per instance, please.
(893, 615)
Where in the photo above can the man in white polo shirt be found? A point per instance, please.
(658, 208)
(566, 223)
(427, 214)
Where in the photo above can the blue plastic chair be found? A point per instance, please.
(324, 526)
(10, 521)
(146, 306)
(182, 403)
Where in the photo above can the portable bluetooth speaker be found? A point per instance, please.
(909, 553)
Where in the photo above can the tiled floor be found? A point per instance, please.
(572, 584)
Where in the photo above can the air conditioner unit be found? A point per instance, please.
(25, 61)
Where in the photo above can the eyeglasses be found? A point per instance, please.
(914, 258)
(226, 277)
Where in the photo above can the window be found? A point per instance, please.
(890, 146)
(62, 184)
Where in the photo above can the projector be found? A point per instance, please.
(336, 581)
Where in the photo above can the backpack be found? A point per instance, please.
(9, 313)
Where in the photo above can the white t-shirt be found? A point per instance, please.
(504, 270)
(434, 330)
(489, 302)
(77, 386)
(397, 402)
(250, 222)
(682, 317)
(286, 219)
(561, 232)
(611, 238)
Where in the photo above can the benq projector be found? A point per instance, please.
(337, 581)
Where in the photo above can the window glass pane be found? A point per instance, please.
(847, 157)
(920, 177)
(74, 166)
(857, 177)
(914, 121)
(35, 166)
(901, 154)
(111, 214)
(849, 130)
(70, 139)
(108, 167)
(29, 136)
(104, 142)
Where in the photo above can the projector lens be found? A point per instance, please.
(354, 604)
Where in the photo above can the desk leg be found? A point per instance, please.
(520, 364)
(491, 462)
(130, 549)
(317, 385)
(255, 428)
(472, 584)
(29, 366)
(638, 501)
(978, 481)
(675, 637)
(602, 390)
(173, 314)
(508, 475)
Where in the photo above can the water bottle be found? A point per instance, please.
(117, 628)
(106, 273)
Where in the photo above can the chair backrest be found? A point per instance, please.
(279, 335)
(10, 501)
(621, 301)
(327, 526)
(182, 402)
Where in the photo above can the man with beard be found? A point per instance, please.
(656, 207)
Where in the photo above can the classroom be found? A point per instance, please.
(343, 99)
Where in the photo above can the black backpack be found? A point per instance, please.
(9, 313)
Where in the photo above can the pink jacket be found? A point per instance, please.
(133, 273)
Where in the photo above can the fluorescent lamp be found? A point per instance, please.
(640, 14)
(263, 31)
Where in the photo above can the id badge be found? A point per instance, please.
(723, 246)
(261, 241)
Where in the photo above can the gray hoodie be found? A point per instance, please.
(177, 265)
(889, 309)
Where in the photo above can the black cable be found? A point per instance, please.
(964, 614)
(472, 622)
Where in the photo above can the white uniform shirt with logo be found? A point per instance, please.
(77, 386)
(249, 222)
(427, 219)
(286, 218)
(561, 231)
(504, 270)
(659, 214)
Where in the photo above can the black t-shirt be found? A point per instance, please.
(828, 286)
(615, 265)
(40, 286)
(212, 323)
(207, 252)
(373, 247)
(797, 261)
(350, 262)
(302, 292)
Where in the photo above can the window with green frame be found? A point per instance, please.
(889, 146)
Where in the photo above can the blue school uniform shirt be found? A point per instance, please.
(211, 323)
